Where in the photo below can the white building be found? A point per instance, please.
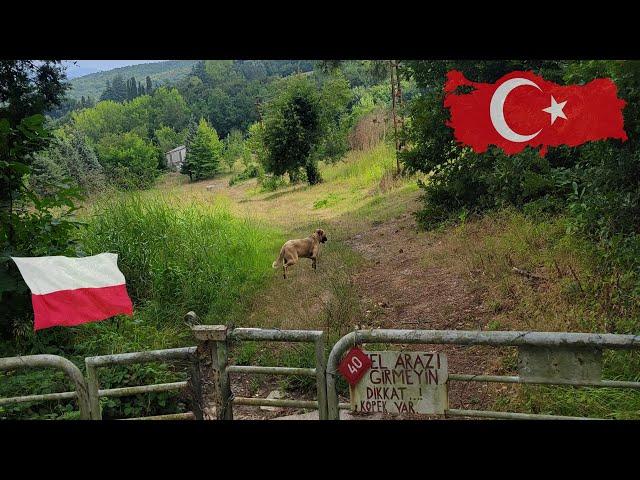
(175, 158)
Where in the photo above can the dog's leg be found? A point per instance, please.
(284, 270)
(313, 264)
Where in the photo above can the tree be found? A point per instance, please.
(132, 89)
(291, 130)
(128, 160)
(119, 89)
(30, 225)
(107, 94)
(335, 98)
(203, 153)
(68, 157)
(233, 147)
(168, 107)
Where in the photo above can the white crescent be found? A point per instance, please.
(496, 110)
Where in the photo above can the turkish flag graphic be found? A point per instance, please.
(523, 109)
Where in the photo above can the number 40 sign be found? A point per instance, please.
(354, 365)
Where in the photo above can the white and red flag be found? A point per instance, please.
(69, 291)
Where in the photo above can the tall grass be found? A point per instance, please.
(568, 296)
(362, 168)
(181, 255)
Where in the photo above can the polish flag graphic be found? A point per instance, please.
(70, 291)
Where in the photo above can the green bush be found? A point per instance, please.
(129, 161)
(271, 183)
(251, 171)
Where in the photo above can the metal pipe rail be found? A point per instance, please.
(495, 339)
(95, 393)
(316, 337)
(51, 361)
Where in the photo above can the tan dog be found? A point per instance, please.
(300, 248)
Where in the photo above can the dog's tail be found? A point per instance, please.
(276, 264)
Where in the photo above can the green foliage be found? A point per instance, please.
(203, 153)
(271, 183)
(335, 97)
(255, 142)
(179, 257)
(168, 139)
(129, 161)
(31, 224)
(226, 93)
(292, 128)
(253, 170)
(168, 107)
(234, 148)
(68, 157)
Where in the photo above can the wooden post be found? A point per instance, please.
(210, 384)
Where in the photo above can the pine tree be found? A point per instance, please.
(119, 88)
(107, 94)
(204, 152)
(134, 88)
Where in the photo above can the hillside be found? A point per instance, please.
(160, 72)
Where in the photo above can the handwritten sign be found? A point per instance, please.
(403, 383)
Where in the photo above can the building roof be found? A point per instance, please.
(176, 149)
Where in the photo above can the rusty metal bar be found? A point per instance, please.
(274, 335)
(141, 357)
(126, 391)
(452, 412)
(496, 339)
(39, 398)
(169, 416)
(309, 372)
(92, 364)
(273, 402)
(54, 361)
(214, 333)
(515, 379)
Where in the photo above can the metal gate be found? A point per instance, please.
(544, 358)
(212, 369)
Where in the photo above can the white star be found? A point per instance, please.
(555, 110)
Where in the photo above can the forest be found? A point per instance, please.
(82, 175)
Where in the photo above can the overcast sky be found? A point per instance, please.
(85, 67)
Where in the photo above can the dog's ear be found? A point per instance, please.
(320, 232)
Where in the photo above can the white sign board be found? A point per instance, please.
(403, 383)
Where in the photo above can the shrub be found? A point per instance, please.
(251, 171)
(129, 161)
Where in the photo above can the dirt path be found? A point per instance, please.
(396, 287)
(400, 291)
